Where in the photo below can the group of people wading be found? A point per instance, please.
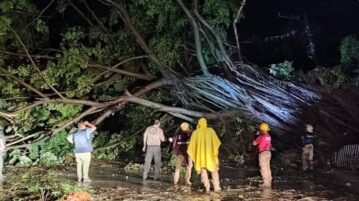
(199, 148)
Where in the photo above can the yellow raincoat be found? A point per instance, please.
(203, 147)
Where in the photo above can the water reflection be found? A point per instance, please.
(206, 197)
(266, 194)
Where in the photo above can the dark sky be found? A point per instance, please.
(329, 20)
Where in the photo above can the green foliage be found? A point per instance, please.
(349, 50)
(49, 159)
(167, 50)
(8, 89)
(73, 36)
(162, 14)
(46, 154)
(172, 161)
(70, 68)
(334, 77)
(239, 159)
(4, 28)
(19, 159)
(282, 70)
(110, 146)
(41, 27)
(133, 167)
(219, 13)
(50, 183)
(57, 145)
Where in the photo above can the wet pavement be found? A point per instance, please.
(238, 184)
(112, 183)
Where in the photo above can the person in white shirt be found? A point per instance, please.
(2, 152)
(152, 139)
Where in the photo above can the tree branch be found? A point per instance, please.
(69, 122)
(218, 40)
(14, 114)
(29, 87)
(32, 21)
(24, 138)
(200, 58)
(154, 85)
(81, 13)
(113, 69)
(94, 16)
(122, 12)
(39, 140)
(33, 63)
(24, 55)
(161, 107)
(147, 76)
(182, 116)
(74, 101)
(236, 20)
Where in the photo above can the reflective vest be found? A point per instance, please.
(181, 141)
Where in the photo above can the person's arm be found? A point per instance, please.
(2, 141)
(70, 138)
(174, 137)
(256, 141)
(2, 145)
(144, 141)
(162, 136)
(91, 126)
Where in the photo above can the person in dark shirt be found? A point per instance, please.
(180, 145)
(308, 142)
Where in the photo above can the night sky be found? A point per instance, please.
(329, 20)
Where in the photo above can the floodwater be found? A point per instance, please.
(112, 183)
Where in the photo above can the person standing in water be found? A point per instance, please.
(152, 139)
(308, 142)
(203, 149)
(180, 145)
(82, 141)
(264, 145)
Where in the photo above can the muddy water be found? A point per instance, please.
(112, 183)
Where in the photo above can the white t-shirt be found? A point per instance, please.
(153, 136)
(2, 141)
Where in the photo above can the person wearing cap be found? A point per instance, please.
(2, 152)
(308, 142)
(180, 146)
(264, 145)
(203, 149)
(152, 139)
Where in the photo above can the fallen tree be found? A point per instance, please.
(74, 80)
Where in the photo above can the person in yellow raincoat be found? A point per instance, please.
(203, 150)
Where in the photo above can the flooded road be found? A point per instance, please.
(112, 183)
